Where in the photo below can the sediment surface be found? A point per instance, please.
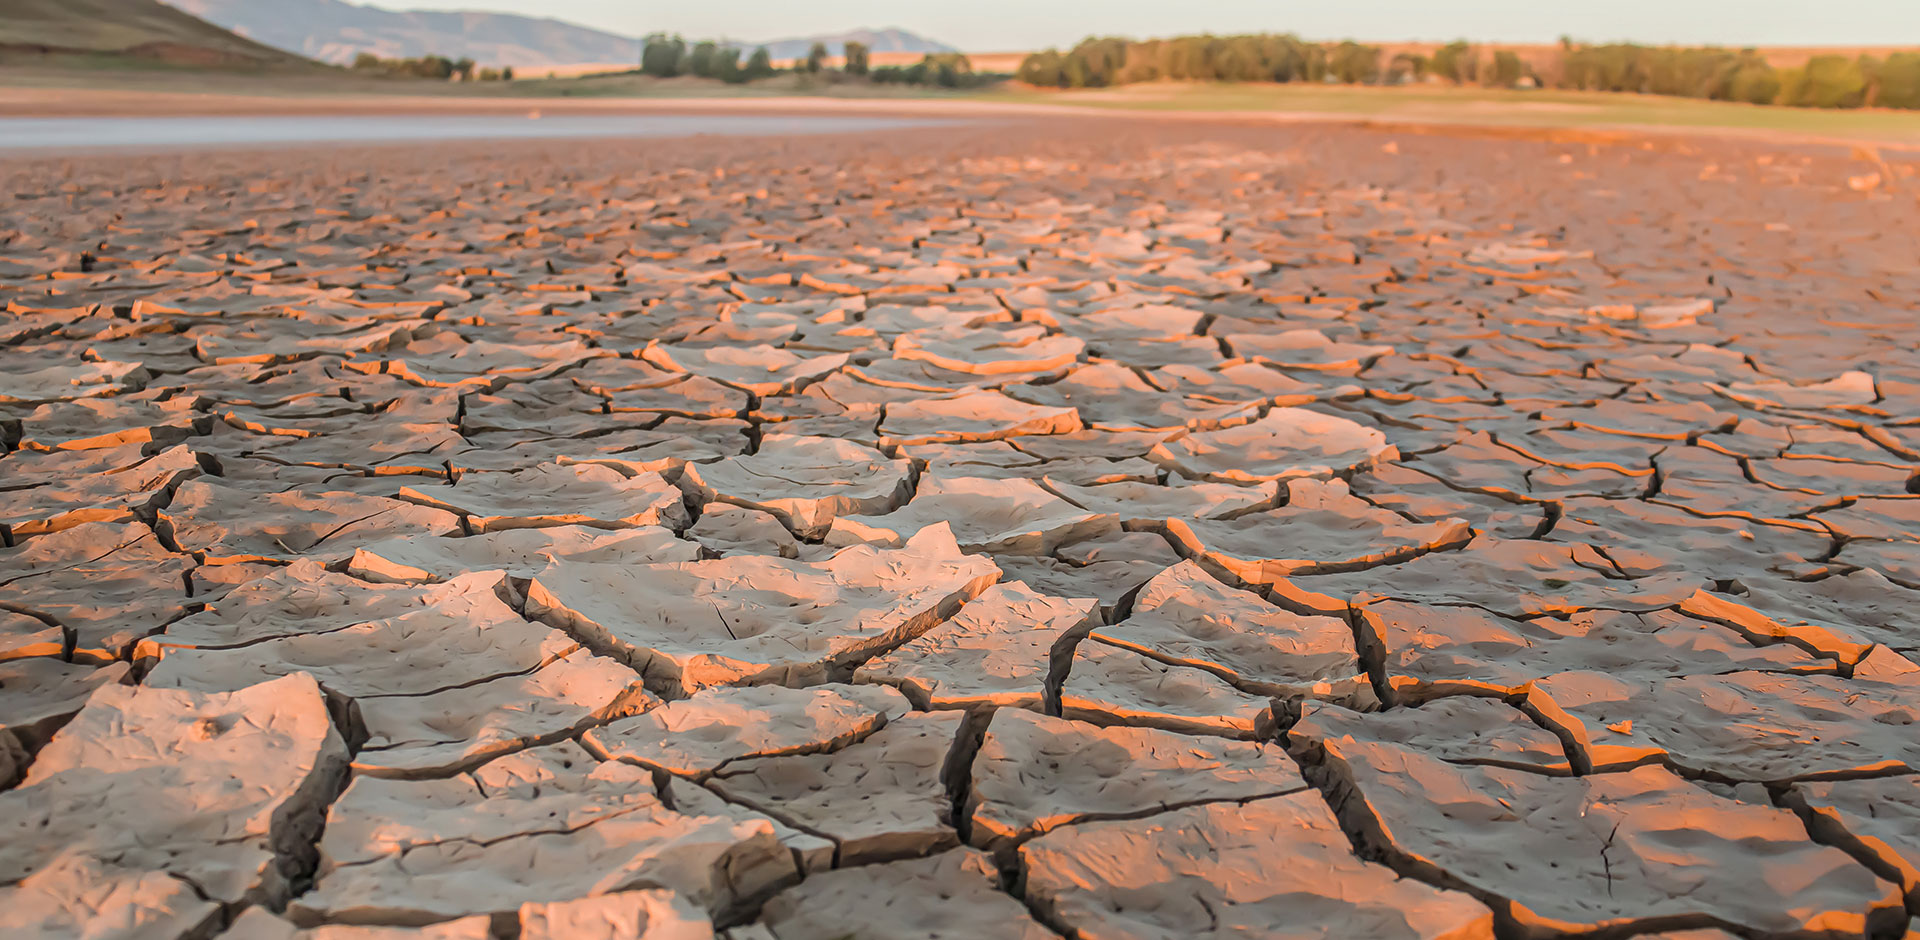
(1084, 528)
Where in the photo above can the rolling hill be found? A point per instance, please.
(136, 29)
(335, 31)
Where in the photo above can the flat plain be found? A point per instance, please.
(1027, 526)
(110, 89)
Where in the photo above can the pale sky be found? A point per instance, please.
(996, 25)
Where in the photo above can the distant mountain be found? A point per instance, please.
(335, 31)
(877, 40)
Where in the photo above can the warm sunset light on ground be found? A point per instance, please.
(1247, 487)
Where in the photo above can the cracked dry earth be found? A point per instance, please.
(1003, 531)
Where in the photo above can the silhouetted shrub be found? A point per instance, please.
(703, 59)
(857, 56)
(759, 65)
(726, 65)
(661, 55)
(943, 69)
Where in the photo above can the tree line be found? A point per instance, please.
(664, 56)
(431, 66)
(1826, 81)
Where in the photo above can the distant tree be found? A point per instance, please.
(426, 66)
(726, 65)
(1612, 67)
(489, 75)
(1354, 64)
(947, 69)
(1826, 81)
(1180, 59)
(1700, 72)
(759, 65)
(1233, 59)
(816, 59)
(1407, 67)
(1097, 63)
(1142, 62)
(661, 56)
(1075, 72)
(1507, 70)
(1754, 82)
(506, 73)
(1287, 58)
(1692, 73)
(1830, 81)
(1742, 76)
(857, 56)
(1792, 86)
(1457, 62)
(1897, 81)
(463, 67)
(1314, 69)
(1042, 69)
(702, 60)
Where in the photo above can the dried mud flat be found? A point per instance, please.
(1075, 529)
